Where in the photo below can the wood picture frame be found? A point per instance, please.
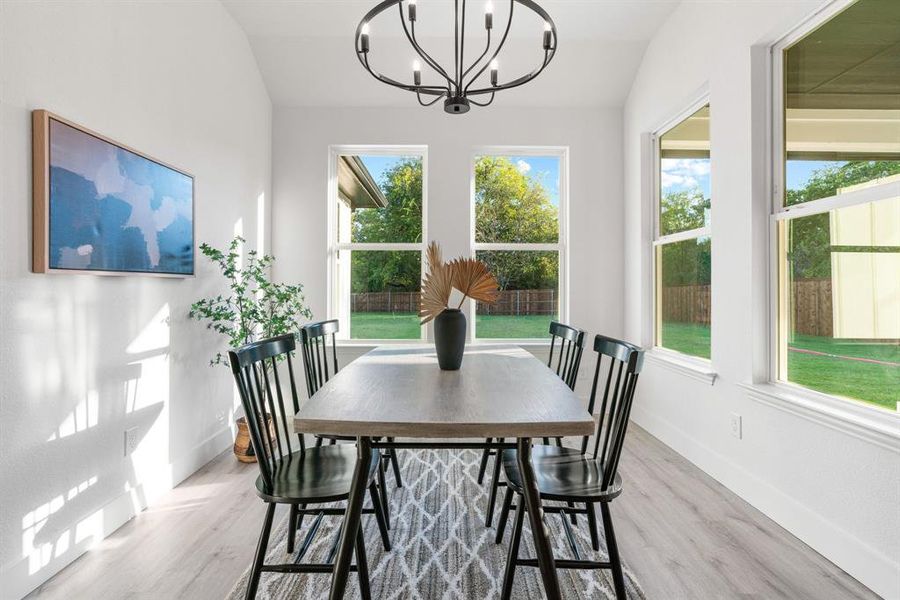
(152, 201)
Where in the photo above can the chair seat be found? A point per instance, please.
(319, 474)
(562, 474)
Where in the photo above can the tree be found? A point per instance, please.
(511, 207)
(686, 262)
(399, 221)
(809, 238)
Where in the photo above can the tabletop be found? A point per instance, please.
(399, 391)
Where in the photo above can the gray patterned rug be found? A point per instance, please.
(441, 548)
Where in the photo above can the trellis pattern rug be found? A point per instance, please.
(441, 548)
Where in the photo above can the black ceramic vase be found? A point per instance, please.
(450, 338)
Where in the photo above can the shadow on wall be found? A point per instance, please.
(77, 482)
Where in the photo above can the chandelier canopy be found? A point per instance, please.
(458, 87)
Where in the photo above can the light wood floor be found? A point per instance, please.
(683, 535)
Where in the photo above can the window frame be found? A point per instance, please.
(701, 99)
(561, 246)
(333, 246)
(780, 215)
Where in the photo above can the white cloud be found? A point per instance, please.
(523, 166)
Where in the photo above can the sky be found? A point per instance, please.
(544, 169)
(680, 174)
(798, 172)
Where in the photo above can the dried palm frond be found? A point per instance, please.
(472, 277)
(436, 286)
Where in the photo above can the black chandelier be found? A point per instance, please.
(458, 91)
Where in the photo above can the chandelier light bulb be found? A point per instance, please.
(548, 32)
(489, 15)
(364, 38)
(412, 10)
(495, 67)
(417, 73)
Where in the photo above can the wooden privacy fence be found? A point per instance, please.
(811, 306)
(510, 302)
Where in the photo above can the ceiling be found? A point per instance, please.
(305, 52)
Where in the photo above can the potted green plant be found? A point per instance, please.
(256, 308)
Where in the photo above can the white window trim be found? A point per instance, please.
(693, 366)
(333, 246)
(562, 246)
(862, 420)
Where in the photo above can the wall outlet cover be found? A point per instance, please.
(736, 429)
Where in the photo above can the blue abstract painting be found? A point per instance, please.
(114, 210)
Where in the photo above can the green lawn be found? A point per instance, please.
(870, 382)
(402, 326)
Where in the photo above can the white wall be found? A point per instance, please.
(86, 357)
(835, 486)
(301, 138)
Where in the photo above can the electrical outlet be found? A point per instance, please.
(220, 417)
(736, 425)
(131, 441)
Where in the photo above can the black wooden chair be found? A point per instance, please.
(570, 343)
(567, 475)
(317, 355)
(293, 474)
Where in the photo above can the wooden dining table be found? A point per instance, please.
(396, 391)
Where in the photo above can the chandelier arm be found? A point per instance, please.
(483, 54)
(512, 3)
(548, 56)
(419, 98)
(476, 103)
(432, 90)
(462, 48)
(411, 36)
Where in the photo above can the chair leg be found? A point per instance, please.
(495, 483)
(255, 571)
(504, 515)
(382, 488)
(379, 517)
(513, 554)
(484, 461)
(300, 516)
(592, 525)
(292, 529)
(616, 564)
(318, 442)
(396, 464)
(362, 566)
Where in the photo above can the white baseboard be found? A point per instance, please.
(18, 582)
(872, 568)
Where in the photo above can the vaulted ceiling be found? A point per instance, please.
(305, 50)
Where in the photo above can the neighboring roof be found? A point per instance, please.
(356, 185)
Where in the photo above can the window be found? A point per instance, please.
(682, 237)
(837, 206)
(377, 233)
(519, 231)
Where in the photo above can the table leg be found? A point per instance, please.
(351, 519)
(532, 497)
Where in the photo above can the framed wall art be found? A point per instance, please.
(102, 207)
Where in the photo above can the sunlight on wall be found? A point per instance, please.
(81, 418)
(34, 521)
(150, 458)
(261, 223)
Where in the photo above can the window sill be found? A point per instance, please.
(867, 423)
(695, 368)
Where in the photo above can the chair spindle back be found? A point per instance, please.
(571, 346)
(625, 363)
(315, 338)
(255, 367)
